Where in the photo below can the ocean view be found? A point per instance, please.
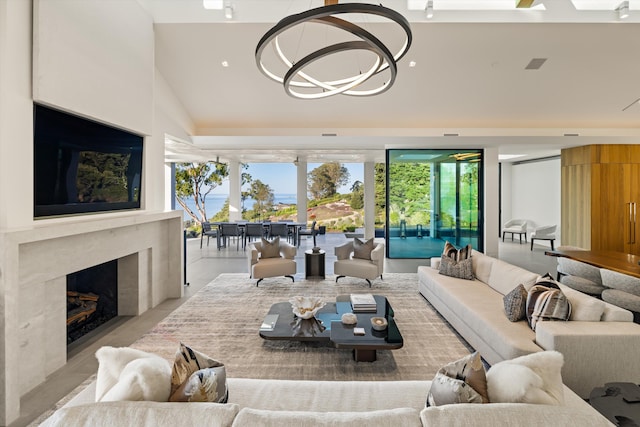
(215, 202)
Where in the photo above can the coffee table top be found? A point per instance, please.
(328, 327)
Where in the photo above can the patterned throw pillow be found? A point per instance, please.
(362, 249)
(197, 378)
(270, 249)
(545, 301)
(515, 303)
(460, 269)
(462, 381)
(457, 254)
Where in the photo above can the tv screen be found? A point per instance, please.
(81, 166)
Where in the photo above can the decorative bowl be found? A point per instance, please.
(379, 323)
(349, 319)
(306, 307)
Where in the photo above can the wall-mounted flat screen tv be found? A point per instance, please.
(81, 166)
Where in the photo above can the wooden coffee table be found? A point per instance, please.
(281, 324)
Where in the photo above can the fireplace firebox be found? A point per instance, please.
(92, 299)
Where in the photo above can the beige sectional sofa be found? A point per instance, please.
(601, 344)
(255, 402)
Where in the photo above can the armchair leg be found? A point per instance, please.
(259, 280)
(368, 281)
(290, 277)
(338, 278)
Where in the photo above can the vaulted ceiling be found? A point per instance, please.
(469, 79)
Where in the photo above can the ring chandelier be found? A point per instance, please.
(296, 78)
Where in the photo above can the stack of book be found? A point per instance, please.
(363, 303)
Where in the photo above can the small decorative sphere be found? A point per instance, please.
(349, 319)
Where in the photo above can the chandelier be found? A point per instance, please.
(301, 83)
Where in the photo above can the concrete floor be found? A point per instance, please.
(204, 265)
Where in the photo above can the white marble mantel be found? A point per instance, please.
(34, 264)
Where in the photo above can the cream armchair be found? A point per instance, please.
(515, 226)
(346, 265)
(548, 232)
(261, 267)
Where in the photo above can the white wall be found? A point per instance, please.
(535, 194)
(95, 58)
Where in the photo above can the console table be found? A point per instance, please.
(616, 261)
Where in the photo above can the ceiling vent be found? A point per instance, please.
(535, 64)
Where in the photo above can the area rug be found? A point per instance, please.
(222, 320)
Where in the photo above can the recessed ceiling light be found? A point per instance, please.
(225, 64)
(509, 156)
(213, 4)
(412, 64)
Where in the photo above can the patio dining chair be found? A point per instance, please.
(251, 230)
(208, 231)
(230, 230)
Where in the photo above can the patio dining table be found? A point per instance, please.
(293, 226)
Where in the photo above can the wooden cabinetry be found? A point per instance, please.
(601, 197)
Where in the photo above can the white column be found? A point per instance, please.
(491, 186)
(369, 199)
(301, 191)
(235, 184)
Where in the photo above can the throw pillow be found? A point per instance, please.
(534, 378)
(197, 378)
(515, 304)
(545, 301)
(128, 374)
(457, 254)
(270, 249)
(362, 249)
(462, 381)
(460, 269)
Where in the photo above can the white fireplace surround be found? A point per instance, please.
(148, 247)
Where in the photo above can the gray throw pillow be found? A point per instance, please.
(362, 249)
(460, 269)
(515, 304)
(270, 249)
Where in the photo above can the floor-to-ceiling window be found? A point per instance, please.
(433, 196)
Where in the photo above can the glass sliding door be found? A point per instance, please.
(433, 196)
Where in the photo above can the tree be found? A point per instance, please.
(324, 180)
(381, 192)
(195, 181)
(357, 195)
(263, 196)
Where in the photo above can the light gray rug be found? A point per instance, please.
(223, 318)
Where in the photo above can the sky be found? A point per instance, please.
(281, 177)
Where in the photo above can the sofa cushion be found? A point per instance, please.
(481, 265)
(534, 378)
(362, 250)
(129, 374)
(462, 381)
(504, 277)
(327, 396)
(197, 377)
(144, 414)
(462, 269)
(510, 414)
(583, 285)
(270, 249)
(480, 308)
(621, 282)
(250, 417)
(583, 307)
(515, 304)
